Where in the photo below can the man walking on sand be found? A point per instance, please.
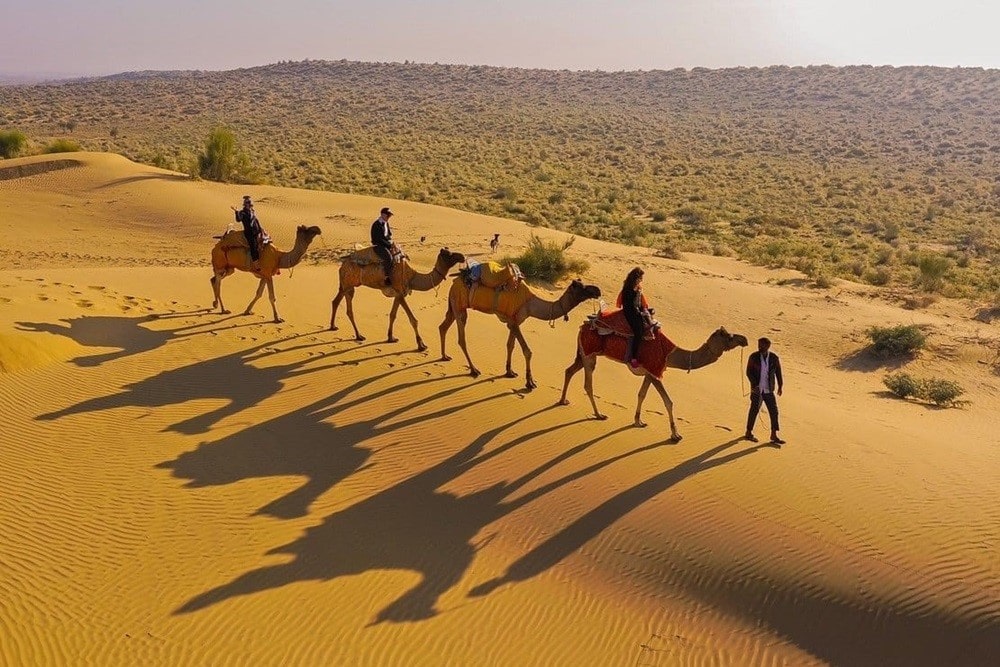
(764, 373)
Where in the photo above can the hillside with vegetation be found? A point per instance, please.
(888, 176)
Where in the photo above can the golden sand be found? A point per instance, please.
(184, 487)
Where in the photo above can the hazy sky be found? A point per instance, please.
(109, 36)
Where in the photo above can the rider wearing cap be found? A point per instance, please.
(382, 242)
(251, 229)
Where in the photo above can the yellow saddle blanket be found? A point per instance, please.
(497, 276)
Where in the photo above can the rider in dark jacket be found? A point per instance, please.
(382, 242)
(251, 229)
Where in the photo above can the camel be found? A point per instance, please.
(512, 307)
(657, 354)
(371, 275)
(232, 253)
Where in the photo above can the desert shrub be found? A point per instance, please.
(547, 261)
(12, 143)
(670, 250)
(658, 216)
(222, 161)
(940, 391)
(880, 275)
(932, 271)
(900, 340)
(62, 146)
(902, 384)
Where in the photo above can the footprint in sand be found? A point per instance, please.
(97, 287)
(83, 303)
(42, 297)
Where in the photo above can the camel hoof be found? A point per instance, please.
(599, 417)
(359, 338)
(224, 312)
(445, 357)
(562, 401)
(640, 424)
(674, 439)
(510, 374)
(421, 347)
(474, 372)
(278, 320)
(530, 384)
(390, 339)
(334, 328)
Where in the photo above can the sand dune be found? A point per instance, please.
(187, 487)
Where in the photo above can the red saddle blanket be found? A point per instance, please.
(609, 332)
(613, 322)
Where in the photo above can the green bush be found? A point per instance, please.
(546, 260)
(900, 340)
(222, 161)
(12, 143)
(936, 390)
(932, 271)
(940, 392)
(62, 146)
(902, 384)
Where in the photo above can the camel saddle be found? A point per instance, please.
(269, 256)
(367, 256)
(493, 275)
(613, 322)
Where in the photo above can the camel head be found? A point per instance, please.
(449, 258)
(307, 233)
(580, 292)
(726, 340)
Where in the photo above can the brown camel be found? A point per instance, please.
(231, 253)
(657, 354)
(371, 275)
(512, 307)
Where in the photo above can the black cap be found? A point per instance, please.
(386, 212)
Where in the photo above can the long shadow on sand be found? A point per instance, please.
(125, 333)
(389, 530)
(230, 378)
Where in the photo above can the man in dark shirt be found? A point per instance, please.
(764, 373)
(382, 242)
(251, 229)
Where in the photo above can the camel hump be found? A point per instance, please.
(366, 256)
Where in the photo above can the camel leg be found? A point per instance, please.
(571, 370)
(646, 381)
(529, 381)
(274, 301)
(511, 338)
(349, 293)
(449, 317)
(260, 291)
(461, 319)
(669, 405)
(421, 346)
(217, 292)
(589, 363)
(392, 320)
(333, 308)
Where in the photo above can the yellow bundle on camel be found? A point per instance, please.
(236, 240)
(495, 275)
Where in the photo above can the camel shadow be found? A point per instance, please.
(244, 387)
(590, 525)
(125, 333)
(390, 530)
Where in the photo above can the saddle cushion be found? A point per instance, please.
(613, 322)
(496, 276)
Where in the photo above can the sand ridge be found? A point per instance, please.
(183, 486)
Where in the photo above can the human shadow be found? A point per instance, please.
(390, 529)
(591, 524)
